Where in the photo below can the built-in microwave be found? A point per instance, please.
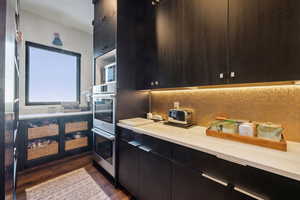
(110, 73)
(104, 112)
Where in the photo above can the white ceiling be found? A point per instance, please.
(74, 13)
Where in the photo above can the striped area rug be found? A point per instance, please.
(76, 185)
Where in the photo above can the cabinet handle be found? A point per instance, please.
(144, 148)
(232, 74)
(248, 194)
(134, 143)
(214, 179)
(156, 82)
(221, 75)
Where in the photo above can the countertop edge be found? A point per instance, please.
(220, 155)
(46, 115)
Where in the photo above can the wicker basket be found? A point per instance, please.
(76, 126)
(76, 143)
(39, 152)
(43, 131)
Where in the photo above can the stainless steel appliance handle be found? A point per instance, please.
(103, 134)
(101, 96)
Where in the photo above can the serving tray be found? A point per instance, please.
(281, 145)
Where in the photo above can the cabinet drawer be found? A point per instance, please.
(206, 163)
(190, 184)
(126, 134)
(76, 126)
(157, 146)
(42, 131)
(268, 185)
(76, 143)
(40, 152)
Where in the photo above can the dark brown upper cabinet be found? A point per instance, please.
(169, 35)
(186, 43)
(264, 41)
(105, 26)
(190, 42)
(204, 47)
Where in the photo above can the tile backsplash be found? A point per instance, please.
(277, 104)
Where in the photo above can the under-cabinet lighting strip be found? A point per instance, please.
(229, 86)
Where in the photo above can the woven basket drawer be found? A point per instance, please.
(43, 131)
(76, 126)
(39, 152)
(76, 143)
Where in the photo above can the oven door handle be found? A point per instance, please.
(103, 134)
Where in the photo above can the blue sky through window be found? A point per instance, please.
(52, 76)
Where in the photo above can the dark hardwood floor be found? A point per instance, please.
(34, 176)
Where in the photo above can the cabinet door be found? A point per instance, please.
(104, 38)
(128, 167)
(205, 41)
(189, 184)
(246, 44)
(264, 40)
(105, 22)
(155, 177)
(146, 46)
(169, 25)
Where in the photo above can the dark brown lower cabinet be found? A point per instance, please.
(128, 167)
(144, 174)
(154, 177)
(189, 184)
(150, 168)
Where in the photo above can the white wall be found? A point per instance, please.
(40, 30)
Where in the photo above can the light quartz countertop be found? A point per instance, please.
(283, 163)
(58, 114)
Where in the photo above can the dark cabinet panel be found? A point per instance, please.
(169, 25)
(104, 38)
(226, 171)
(236, 195)
(105, 23)
(268, 185)
(189, 184)
(245, 44)
(128, 167)
(204, 41)
(264, 40)
(157, 146)
(150, 168)
(147, 71)
(155, 177)
(281, 29)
